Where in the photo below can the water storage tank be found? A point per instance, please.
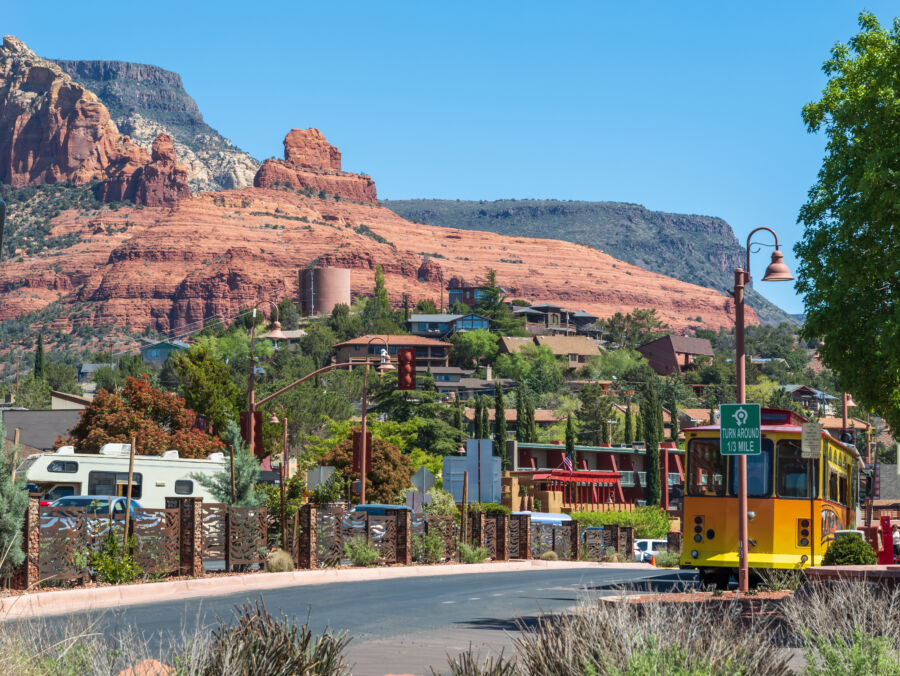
(323, 288)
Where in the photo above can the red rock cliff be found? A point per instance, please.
(56, 130)
(310, 162)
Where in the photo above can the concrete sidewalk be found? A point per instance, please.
(56, 602)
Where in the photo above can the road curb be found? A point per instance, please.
(39, 604)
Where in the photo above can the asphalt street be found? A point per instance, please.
(402, 625)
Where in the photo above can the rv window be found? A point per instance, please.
(114, 483)
(64, 467)
(184, 487)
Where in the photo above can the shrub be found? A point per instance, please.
(648, 522)
(778, 579)
(111, 563)
(279, 561)
(470, 663)
(549, 556)
(667, 559)
(471, 554)
(858, 653)
(442, 503)
(428, 548)
(489, 508)
(849, 550)
(258, 643)
(361, 553)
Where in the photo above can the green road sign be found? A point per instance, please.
(739, 433)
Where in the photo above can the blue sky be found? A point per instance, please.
(684, 107)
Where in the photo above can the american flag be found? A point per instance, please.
(567, 462)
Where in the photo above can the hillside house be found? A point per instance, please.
(451, 380)
(675, 354)
(86, 372)
(444, 325)
(811, 399)
(573, 351)
(429, 352)
(467, 294)
(543, 417)
(547, 319)
(156, 353)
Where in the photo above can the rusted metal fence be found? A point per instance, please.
(562, 539)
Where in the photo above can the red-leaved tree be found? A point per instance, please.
(391, 470)
(158, 421)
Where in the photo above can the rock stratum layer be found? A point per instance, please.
(311, 163)
(215, 254)
(56, 130)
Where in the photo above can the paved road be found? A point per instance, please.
(405, 625)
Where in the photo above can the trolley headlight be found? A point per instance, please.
(698, 538)
(804, 542)
(695, 553)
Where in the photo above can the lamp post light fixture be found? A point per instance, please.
(383, 366)
(284, 463)
(776, 272)
(609, 428)
(274, 334)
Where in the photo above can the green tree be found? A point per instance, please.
(570, 438)
(426, 307)
(847, 257)
(531, 425)
(208, 388)
(345, 325)
(33, 393)
(651, 416)
(596, 409)
(535, 365)
(13, 503)
(492, 305)
(60, 377)
(479, 425)
(318, 343)
(246, 473)
(629, 429)
(459, 418)
(485, 418)
(500, 425)
(521, 413)
(39, 358)
(471, 347)
(288, 314)
(377, 315)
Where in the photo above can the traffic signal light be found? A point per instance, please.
(406, 368)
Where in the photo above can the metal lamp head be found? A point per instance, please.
(778, 270)
(385, 364)
(275, 333)
(274, 419)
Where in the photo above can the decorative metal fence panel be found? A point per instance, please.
(418, 525)
(596, 542)
(156, 540)
(247, 531)
(546, 538)
(64, 544)
(382, 532)
(329, 548)
(213, 531)
(448, 529)
(490, 536)
(513, 538)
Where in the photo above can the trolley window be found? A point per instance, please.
(184, 487)
(759, 472)
(706, 468)
(792, 471)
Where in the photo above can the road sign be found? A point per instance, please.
(811, 441)
(739, 432)
(423, 480)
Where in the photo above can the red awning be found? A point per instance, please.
(582, 476)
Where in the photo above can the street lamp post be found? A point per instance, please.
(274, 334)
(776, 272)
(385, 365)
(284, 462)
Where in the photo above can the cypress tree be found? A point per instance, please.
(629, 430)
(39, 358)
(638, 425)
(500, 424)
(459, 419)
(570, 438)
(651, 414)
(479, 424)
(532, 427)
(673, 426)
(604, 431)
(485, 421)
(521, 414)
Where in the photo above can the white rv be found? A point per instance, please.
(156, 477)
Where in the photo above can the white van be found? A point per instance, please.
(156, 477)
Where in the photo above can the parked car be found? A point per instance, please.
(645, 550)
(100, 505)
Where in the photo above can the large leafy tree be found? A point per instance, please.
(158, 420)
(470, 347)
(391, 470)
(596, 409)
(208, 388)
(849, 272)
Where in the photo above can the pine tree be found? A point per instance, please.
(485, 420)
(651, 414)
(570, 438)
(39, 358)
(629, 430)
(13, 503)
(479, 422)
(459, 419)
(604, 431)
(638, 426)
(500, 425)
(246, 473)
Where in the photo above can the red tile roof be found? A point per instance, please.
(399, 340)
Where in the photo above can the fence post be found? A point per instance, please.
(502, 546)
(524, 521)
(575, 540)
(613, 538)
(190, 534)
(626, 537)
(27, 574)
(404, 536)
(674, 541)
(306, 543)
(228, 539)
(477, 534)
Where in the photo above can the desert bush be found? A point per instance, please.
(667, 559)
(470, 663)
(849, 550)
(856, 655)
(648, 522)
(428, 548)
(442, 503)
(489, 508)
(470, 554)
(779, 579)
(361, 553)
(279, 561)
(112, 563)
(626, 639)
(549, 555)
(258, 643)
